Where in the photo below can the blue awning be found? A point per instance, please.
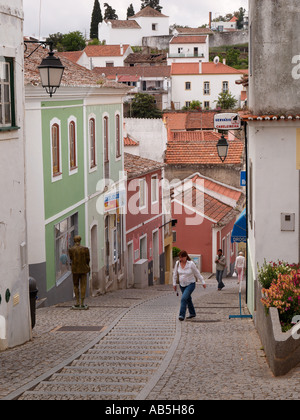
(239, 233)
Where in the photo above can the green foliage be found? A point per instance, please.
(176, 251)
(194, 106)
(73, 41)
(110, 13)
(152, 3)
(226, 101)
(96, 19)
(130, 11)
(143, 106)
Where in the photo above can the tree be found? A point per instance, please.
(130, 11)
(73, 41)
(96, 19)
(240, 16)
(143, 106)
(152, 3)
(226, 100)
(110, 13)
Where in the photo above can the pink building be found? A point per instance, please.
(206, 211)
(145, 219)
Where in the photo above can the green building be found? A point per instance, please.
(74, 146)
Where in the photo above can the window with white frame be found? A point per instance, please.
(206, 89)
(7, 107)
(92, 136)
(154, 189)
(225, 87)
(188, 85)
(72, 146)
(118, 136)
(55, 150)
(143, 197)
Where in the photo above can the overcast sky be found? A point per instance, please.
(72, 15)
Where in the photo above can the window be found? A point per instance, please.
(7, 111)
(92, 133)
(106, 147)
(65, 232)
(206, 88)
(72, 145)
(118, 136)
(188, 85)
(225, 87)
(188, 104)
(142, 193)
(55, 139)
(206, 105)
(154, 26)
(154, 189)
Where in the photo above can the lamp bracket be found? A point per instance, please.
(40, 44)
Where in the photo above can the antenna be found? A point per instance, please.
(216, 60)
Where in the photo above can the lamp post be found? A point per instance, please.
(222, 147)
(51, 69)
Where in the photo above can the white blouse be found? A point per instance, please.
(187, 274)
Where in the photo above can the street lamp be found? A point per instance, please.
(51, 69)
(222, 147)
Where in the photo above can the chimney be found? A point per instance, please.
(224, 61)
(122, 49)
(200, 67)
(210, 20)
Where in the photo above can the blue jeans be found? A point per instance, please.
(219, 279)
(186, 300)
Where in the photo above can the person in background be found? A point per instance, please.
(220, 267)
(186, 272)
(240, 266)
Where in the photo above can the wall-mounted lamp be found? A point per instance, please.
(222, 147)
(51, 69)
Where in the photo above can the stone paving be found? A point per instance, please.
(214, 358)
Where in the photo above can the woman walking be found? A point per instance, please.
(240, 266)
(186, 272)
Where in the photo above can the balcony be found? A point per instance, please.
(183, 55)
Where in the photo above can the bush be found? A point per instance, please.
(284, 294)
(270, 271)
(176, 251)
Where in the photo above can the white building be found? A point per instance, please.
(222, 26)
(203, 82)
(103, 56)
(146, 23)
(15, 322)
(190, 48)
(273, 129)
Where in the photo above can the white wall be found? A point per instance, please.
(151, 135)
(187, 51)
(272, 150)
(35, 183)
(131, 37)
(134, 37)
(91, 62)
(162, 26)
(15, 328)
(180, 95)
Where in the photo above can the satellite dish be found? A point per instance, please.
(216, 60)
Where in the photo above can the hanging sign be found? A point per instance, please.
(227, 122)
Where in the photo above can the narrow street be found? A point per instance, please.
(131, 346)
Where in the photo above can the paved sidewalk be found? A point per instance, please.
(216, 358)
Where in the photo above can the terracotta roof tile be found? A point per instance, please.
(123, 24)
(148, 12)
(210, 198)
(189, 39)
(74, 75)
(105, 50)
(200, 148)
(207, 68)
(136, 166)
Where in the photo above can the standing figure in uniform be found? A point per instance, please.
(80, 259)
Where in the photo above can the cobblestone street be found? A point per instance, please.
(130, 345)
